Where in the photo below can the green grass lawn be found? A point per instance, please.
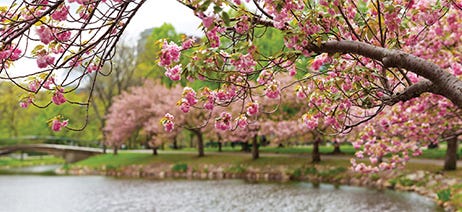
(123, 159)
(29, 161)
(325, 149)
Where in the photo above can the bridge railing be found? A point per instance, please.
(48, 140)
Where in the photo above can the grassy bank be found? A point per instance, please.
(9, 162)
(438, 153)
(330, 168)
(126, 158)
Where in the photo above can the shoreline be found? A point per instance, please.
(421, 182)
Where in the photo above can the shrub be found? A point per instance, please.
(444, 195)
(180, 167)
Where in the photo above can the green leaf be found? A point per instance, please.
(37, 49)
(225, 17)
(444, 195)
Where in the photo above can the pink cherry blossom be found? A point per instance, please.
(174, 73)
(10, 53)
(244, 64)
(58, 97)
(60, 14)
(189, 95)
(213, 37)
(170, 53)
(57, 124)
(25, 102)
(64, 36)
(265, 76)
(241, 121)
(223, 122)
(184, 105)
(34, 85)
(167, 122)
(242, 26)
(45, 34)
(187, 44)
(252, 108)
(49, 82)
(272, 91)
(44, 61)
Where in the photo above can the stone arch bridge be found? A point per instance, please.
(69, 153)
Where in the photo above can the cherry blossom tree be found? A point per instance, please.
(352, 58)
(142, 108)
(407, 127)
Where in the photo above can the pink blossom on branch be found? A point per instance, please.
(190, 95)
(223, 122)
(60, 14)
(252, 108)
(167, 122)
(241, 121)
(58, 97)
(174, 73)
(44, 61)
(184, 105)
(45, 34)
(57, 124)
(272, 90)
(245, 63)
(25, 102)
(187, 44)
(169, 53)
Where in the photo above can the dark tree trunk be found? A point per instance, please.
(450, 163)
(200, 143)
(316, 155)
(104, 148)
(116, 150)
(337, 150)
(220, 145)
(255, 153)
(154, 151)
(245, 147)
(191, 141)
(433, 146)
(175, 143)
(22, 155)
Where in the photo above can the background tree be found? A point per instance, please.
(140, 109)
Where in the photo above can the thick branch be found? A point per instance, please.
(413, 91)
(444, 82)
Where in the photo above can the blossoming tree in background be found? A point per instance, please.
(140, 109)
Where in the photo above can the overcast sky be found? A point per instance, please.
(154, 14)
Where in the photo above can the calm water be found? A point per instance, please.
(95, 193)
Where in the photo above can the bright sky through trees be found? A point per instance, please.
(152, 14)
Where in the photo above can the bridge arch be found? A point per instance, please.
(69, 153)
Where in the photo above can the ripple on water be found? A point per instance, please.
(39, 193)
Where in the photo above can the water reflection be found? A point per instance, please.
(94, 193)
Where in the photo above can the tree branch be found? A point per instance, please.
(444, 83)
(412, 91)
